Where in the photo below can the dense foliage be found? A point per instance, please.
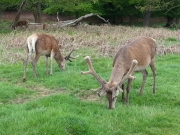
(110, 8)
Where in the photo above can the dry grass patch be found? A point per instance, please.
(88, 95)
(105, 40)
(41, 92)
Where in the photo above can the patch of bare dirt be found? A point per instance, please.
(42, 92)
(88, 95)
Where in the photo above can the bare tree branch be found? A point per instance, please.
(18, 14)
(74, 22)
(171, 8)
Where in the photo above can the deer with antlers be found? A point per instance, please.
(136, 56)
(47, 45)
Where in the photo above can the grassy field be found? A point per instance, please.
(64, 104)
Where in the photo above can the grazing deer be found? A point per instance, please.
(47, 45)
(21, 24)
(135, 56)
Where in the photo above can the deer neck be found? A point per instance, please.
(116, 75)
(58, 57)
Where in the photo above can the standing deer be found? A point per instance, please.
(135, 56)
(47, 45)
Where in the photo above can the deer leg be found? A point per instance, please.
(123, 96)
(34, 63)
(128, 90)
(46, 58)
(51, 57)
(25, 66)
(153, 68)
(145, 74)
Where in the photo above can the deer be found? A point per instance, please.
(47, 45)
(21, 24)
(133, 57)
(45, 26)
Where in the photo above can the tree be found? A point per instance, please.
(32, 5)
(109, 9)
(172, 11)
(70, 7)
(9, 4)
(147, 7)
(112, 9)
(36, 9)
(129, 9)
(18, 13)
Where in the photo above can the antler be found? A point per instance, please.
(92, 72)
(69, 56)
(130, 72)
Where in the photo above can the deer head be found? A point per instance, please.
(111, 92)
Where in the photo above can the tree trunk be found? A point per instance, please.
(18, 14)
(169, 21)
(37, 17)
(37, 12)
(147, 18)
(177, 20)
(131, 20)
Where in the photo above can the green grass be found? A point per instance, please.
(5, 27)
(66, 113)
(171, 40)
(10, 91)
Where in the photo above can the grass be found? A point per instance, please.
(69, 113)
(63, 103)
(8, 91)
(171, 40)
(5, 27)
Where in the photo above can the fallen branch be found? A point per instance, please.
(75, 22)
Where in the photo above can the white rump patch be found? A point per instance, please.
(87, 57)
(31, 41)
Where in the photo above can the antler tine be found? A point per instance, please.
(92, 71)
(130, 72)
(99, 91)
(69, 56)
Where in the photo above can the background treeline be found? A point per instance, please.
(110, 9)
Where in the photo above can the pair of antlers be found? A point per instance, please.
(115, 90)
(69, 56)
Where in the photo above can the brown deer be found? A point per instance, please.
(47, 45)
(45, 26)
(21, 24)
(135, 56)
